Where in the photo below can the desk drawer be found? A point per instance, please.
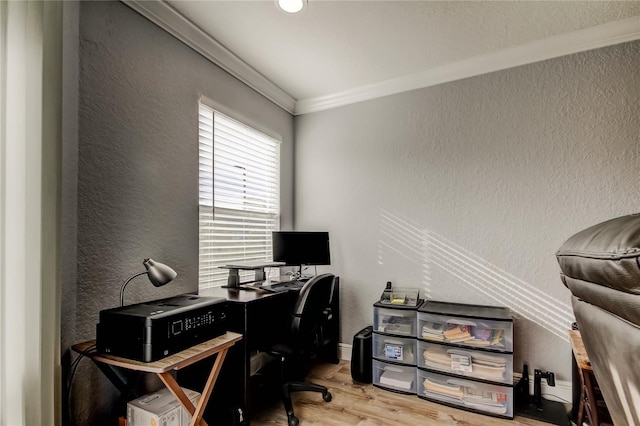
(399, 378)
(494, 367)
(394, 349)
(466, 394)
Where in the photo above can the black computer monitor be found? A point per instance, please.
(301, 248)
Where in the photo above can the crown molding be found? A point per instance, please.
(170, 20)
(564, 44)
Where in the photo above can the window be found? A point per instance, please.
(239, 199)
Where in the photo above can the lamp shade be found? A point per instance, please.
(159, 273)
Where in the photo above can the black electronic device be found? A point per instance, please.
(361, 362)
(152, 330)
(538, 375)
(521, 390)
(538, 407)
(296, 248)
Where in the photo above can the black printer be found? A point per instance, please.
(152, 330)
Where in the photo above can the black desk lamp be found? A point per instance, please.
(159, 274)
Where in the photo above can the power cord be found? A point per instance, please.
(72, 371)
(557, 397)
(295, 275)
(315, 268)
(301, 274)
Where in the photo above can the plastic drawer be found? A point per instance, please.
(469, 332)
(395, 321)
(490, 366)
(466, 394)
(394, 348)
(398, 378)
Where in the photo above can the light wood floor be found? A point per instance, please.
(366, 405)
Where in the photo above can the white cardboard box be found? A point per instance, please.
(160, 408)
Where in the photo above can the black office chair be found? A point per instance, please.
(310, 316)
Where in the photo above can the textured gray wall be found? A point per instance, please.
(137, 169)
(467, 189)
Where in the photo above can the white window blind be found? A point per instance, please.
(239, 195)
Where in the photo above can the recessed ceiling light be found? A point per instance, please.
(291, 6)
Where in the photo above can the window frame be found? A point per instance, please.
(260, 200)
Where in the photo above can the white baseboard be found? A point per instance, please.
(561, 392)
(345, 351)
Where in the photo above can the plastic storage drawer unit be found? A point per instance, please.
(394, 348)
(398, 378)
(477, 364)
(491, 329)
(397, 321)
(466, 394)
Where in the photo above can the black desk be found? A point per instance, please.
(261, 317)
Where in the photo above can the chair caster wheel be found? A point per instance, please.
(293, 421)
(327, 397)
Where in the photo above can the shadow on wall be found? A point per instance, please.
(429, 250)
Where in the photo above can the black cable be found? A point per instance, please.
(306, 267)
(556, 396)
(72, 371)
(74, 364)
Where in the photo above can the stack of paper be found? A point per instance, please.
(481, 365)
(468, 395)
(450, 390)
(485, 337)
(489, 367)
(494, 402)
(397, 378)
(457, 333)
(437, 359)
(433, 331)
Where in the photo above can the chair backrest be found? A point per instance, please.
(312, 309)
(601, 267)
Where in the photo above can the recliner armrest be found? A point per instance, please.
(606, 254)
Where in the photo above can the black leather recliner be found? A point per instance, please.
(601, 267)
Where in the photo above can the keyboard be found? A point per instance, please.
(285, 285)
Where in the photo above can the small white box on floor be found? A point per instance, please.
(160, 408)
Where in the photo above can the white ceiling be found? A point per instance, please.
(335, 47)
